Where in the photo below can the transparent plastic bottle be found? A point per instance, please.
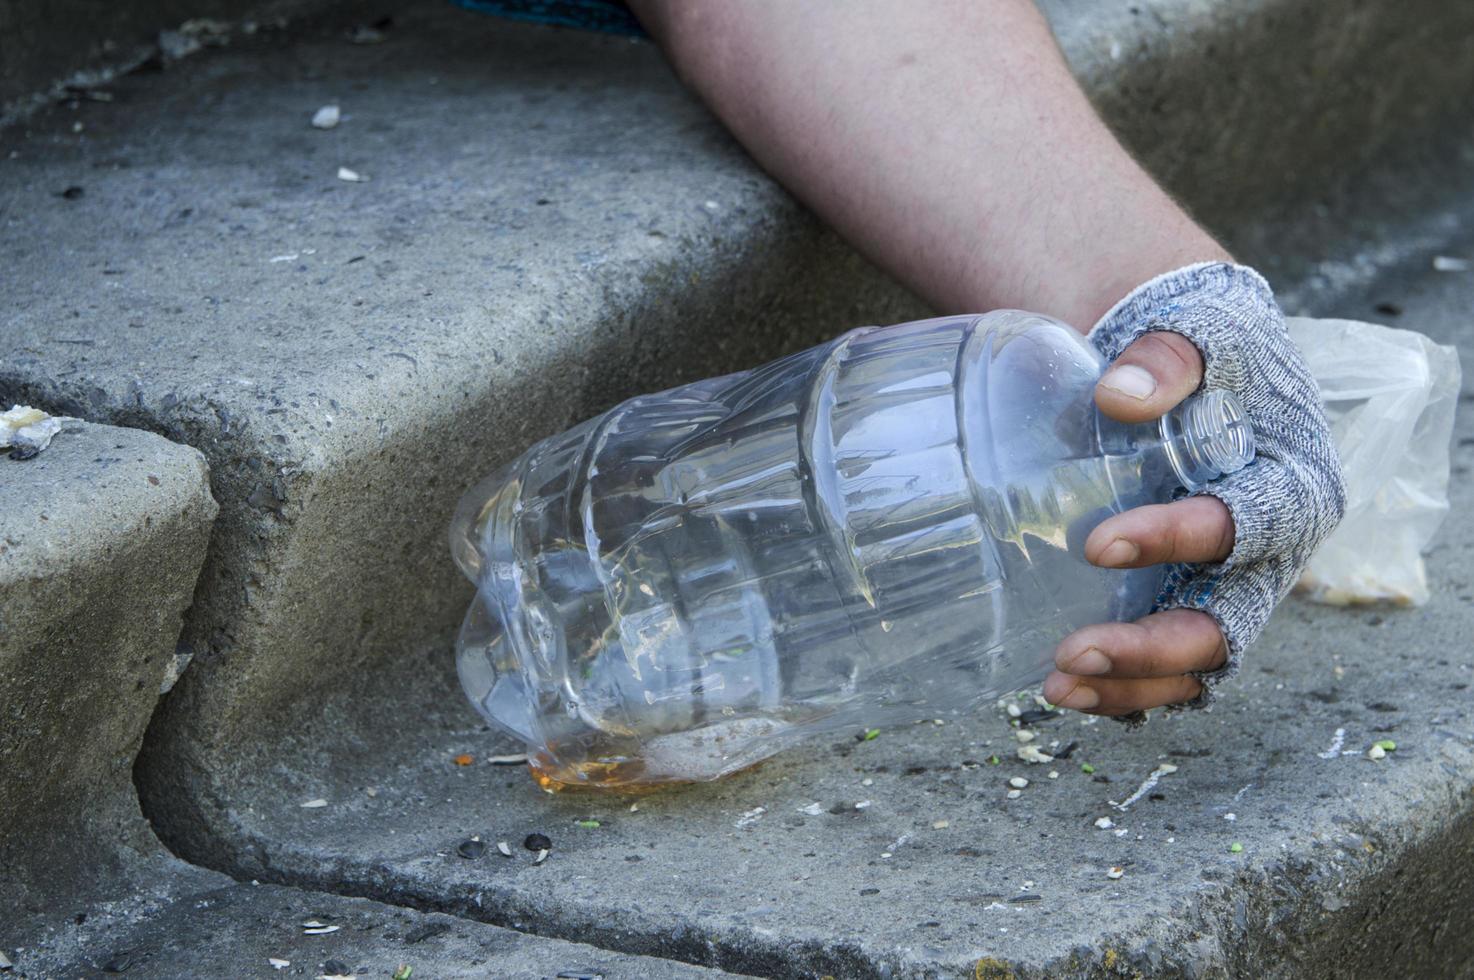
(875, 530)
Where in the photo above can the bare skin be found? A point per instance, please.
(948, 141)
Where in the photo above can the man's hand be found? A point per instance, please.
(1120, 668)
(1237, 546)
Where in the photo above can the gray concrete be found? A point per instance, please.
(550, 225)
(101, 538)
(237, 930)
(65, 48)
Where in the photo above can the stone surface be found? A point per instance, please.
(1346, 867)
(236, 931)
(45, 46)
(101, 538)
(550, 225)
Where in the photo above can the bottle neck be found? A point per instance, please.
(1206, 437)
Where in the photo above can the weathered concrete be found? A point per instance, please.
(550, 225)
(47, 47)
(101, 538)
(238, 930)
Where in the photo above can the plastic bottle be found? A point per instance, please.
(883, 528)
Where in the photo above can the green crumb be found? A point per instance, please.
(993, 760)
(1235, 848)
(588, 824)
(1387, 745)
(871, 734)
(1086, 768)
(404, 972)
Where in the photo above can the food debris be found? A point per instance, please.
(1230, 817)
(464, 759)
(1116, 872)
(327, 117)
(1086, 768)
(589, 824)
(506, 760)
(26, 431)
(993, 760)
(316, 804)
(813, 809)
(1054, 774)
(541, 856)
(1376, 753)
(364, 34)
(1338, 739)
(537, 842)
(1013, 710)
(1034, 755)
(940, 824)
(1449, 263)
(336, 970)
(750, 817)
(314, 928)
(871, 734)
(1014, 794)
(404, 972)
(1024, 735)
(634, 808)
(867, 781)
(1147, 785)
(1105, 823)
(1387, 745)
(352, 176)
(504, 849)
(277, 964)
(1018, 782)
(1235, 848)
(471, 848)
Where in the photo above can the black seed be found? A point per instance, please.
(426, 932)
(869, 891)
(1035, 715)
(71, 193)
(633, 858)
(1101, 779)
(1157, 796)
(121, 961)
(579, 975)
(1067, 751)
(538, 842)
(1025, 899)
(335, 968)
(471, 848)
(1388, 309)
(914, 771)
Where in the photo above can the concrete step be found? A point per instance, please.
(1274, 849)
(101, 538)
(550, 225)
(239, 930)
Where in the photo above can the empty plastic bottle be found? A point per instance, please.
(879, 529)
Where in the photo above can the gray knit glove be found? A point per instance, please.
(1292, 495)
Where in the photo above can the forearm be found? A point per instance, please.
(947, 140)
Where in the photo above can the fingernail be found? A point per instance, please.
(1081, 698)
(1091, 661)
(1130, 380)
(1119, 552)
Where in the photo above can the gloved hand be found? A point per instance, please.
(1238, 545)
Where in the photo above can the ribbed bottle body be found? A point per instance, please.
(884, 527)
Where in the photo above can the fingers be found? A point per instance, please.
(1118, 668)
(1198, 529)
(1154, 373)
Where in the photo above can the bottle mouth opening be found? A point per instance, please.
(1208, 436)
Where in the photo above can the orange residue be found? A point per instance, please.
(465, 759)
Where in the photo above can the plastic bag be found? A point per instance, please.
(1390, 396)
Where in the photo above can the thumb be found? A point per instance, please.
(1155, 372)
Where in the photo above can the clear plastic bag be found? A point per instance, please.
(1390, 396)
